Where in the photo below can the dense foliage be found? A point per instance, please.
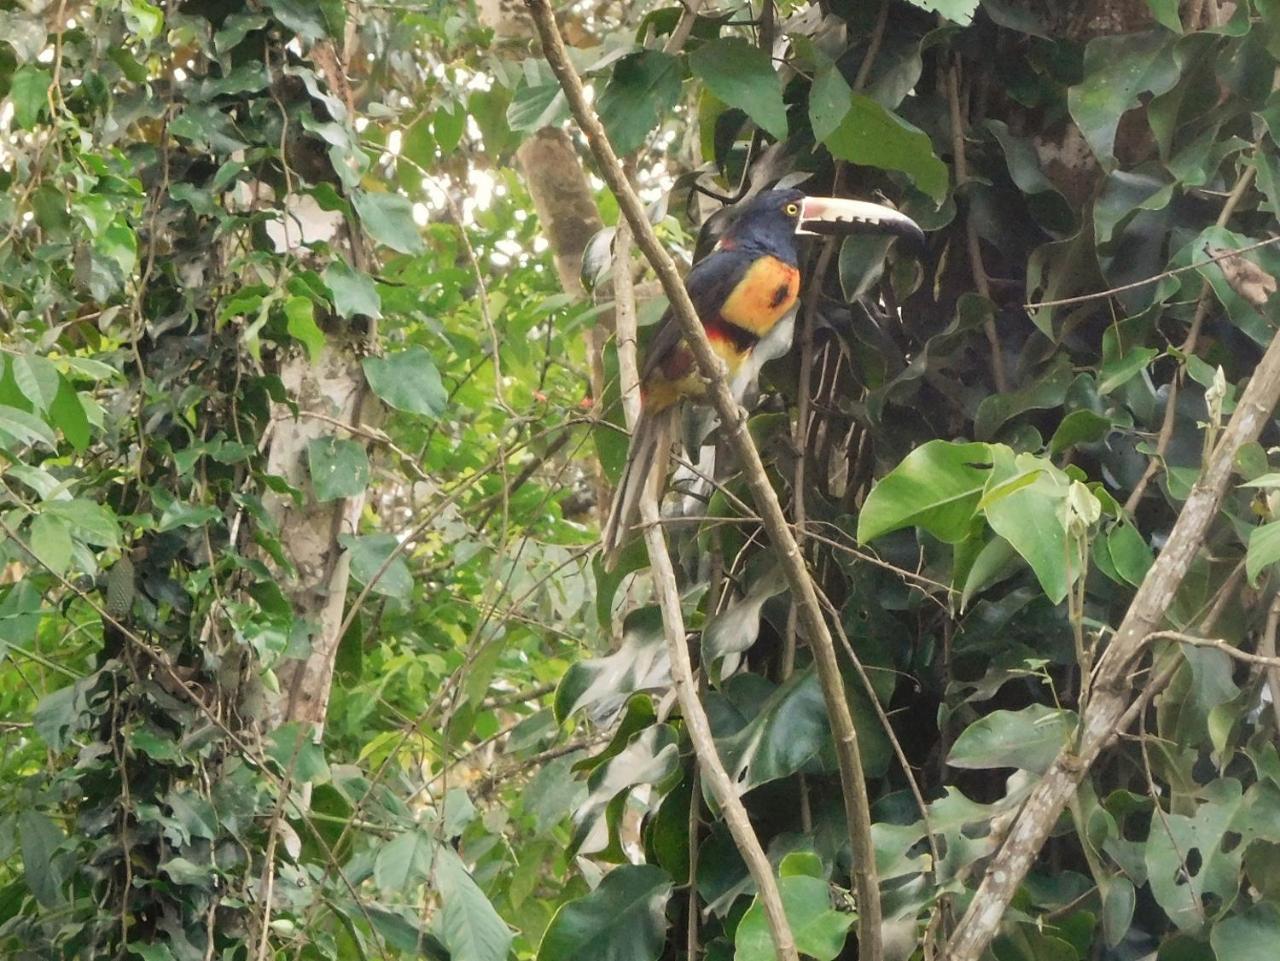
(205, 203)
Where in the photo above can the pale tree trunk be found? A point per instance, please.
(328, 393)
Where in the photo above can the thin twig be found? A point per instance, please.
(1267, 648)
(1217, 644)
(1153, 279)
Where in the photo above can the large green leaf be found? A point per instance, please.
(469, 926)
(404, 862)
(354, 293)
(858, 129)
(1117, 69)
(624, 919)
(1028, 739)
(643, 89)
(743, 76)
(389, 220)
(29, 91)
(1264, 550)
(819, 929)
(604, 684)
(408, 380)
(379, 556)
(339, 467)
(1025, 503)
(1253, 935)
(936, 487)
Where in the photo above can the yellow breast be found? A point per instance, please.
(764, 294)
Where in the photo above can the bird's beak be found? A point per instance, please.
(837, 215)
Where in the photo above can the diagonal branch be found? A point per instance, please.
(733, 421)
(1112, 677)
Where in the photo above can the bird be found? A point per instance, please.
(741, 289)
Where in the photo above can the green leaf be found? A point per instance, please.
(67, 413)
(736, 628)
(39, 839)
(643, 89)
(1079, 427)
(408, 381)
(1025, 504)
(961, 11)
(307, 18)
(339, 468)
(144, 19)
(858, 129)
(787, 730)
(51, 542)
(819, 929)
(743, 76)
(623, 919)
(1166, 13)
(604, 684)
(300, 315)
(1130, 554)
(388, 218)
(404, 862)
(294, 748)
(936, 487)
(24, 428)
(29, 91)
(90, 522)
(1252, 935)
(535, 106)
(1263, 551)
(37, 378)
(1028, 739)
(354, 293)
(1117, 69)
(469, 926)
(369, 553)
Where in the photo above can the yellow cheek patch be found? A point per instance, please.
(766, 292)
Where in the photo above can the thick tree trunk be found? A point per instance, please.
(334, 389)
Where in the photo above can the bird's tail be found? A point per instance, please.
(646, 464)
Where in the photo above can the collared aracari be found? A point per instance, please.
(748, 282)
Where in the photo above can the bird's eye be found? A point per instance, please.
(792, 209)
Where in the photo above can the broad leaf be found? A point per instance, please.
(339, 468)
(1028, 739)
(408, 380)
(743, 76)
(624, 919)
(469, 926)
(858, 129)
(643, 89)
(936, 487)
(820, 930)
(389, 220)
(354, 293)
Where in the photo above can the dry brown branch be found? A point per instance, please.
(1112, 685)
(1218, 644)
(733, 422)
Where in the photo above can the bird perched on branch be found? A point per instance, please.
(748, 283)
